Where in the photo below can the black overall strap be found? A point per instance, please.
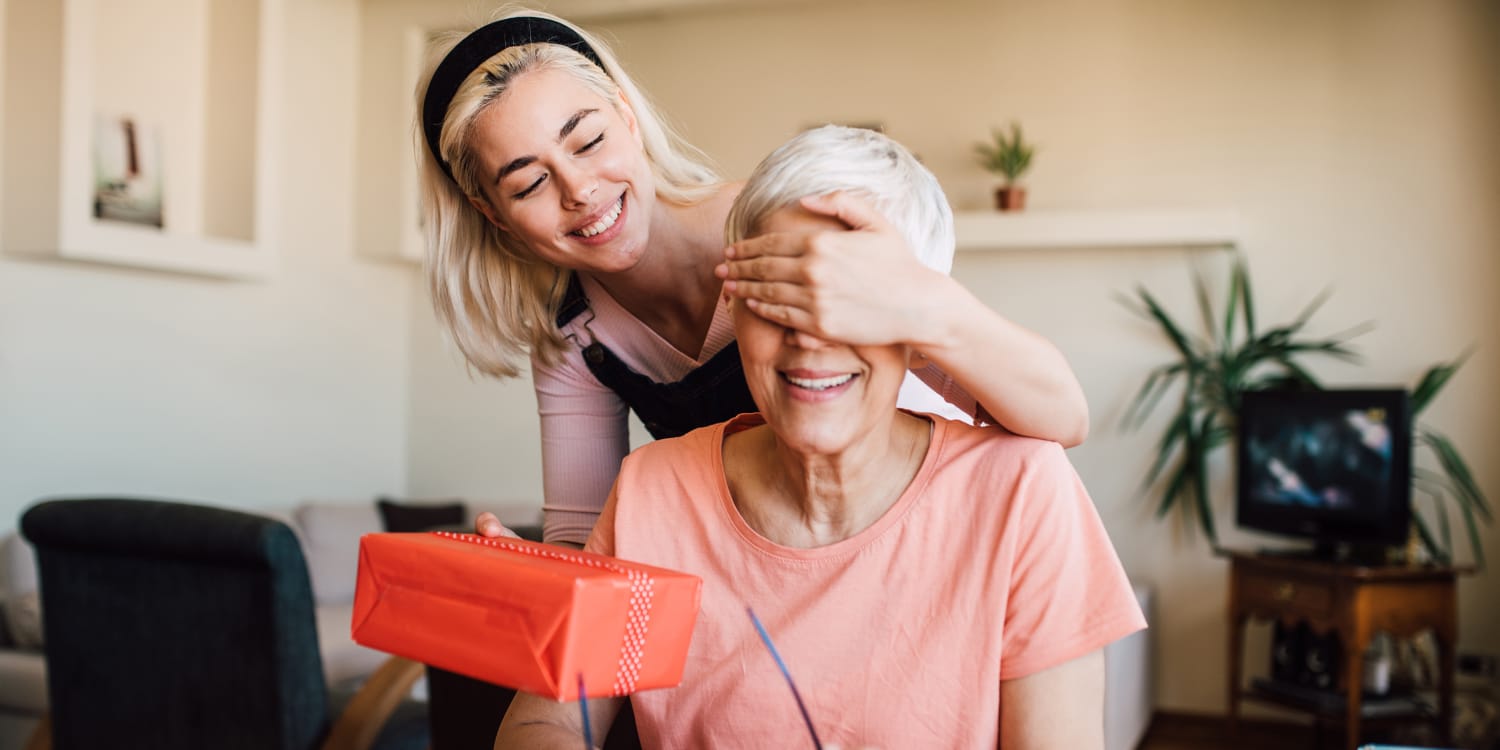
(714, 392)
(574, 302)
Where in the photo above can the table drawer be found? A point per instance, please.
(1286, 594)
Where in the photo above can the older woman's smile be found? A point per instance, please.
(817, 385)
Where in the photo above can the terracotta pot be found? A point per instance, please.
(1010, 198)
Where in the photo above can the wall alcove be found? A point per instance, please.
(141, 133)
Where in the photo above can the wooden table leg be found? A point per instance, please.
(1447, 644)
(1356, 640)
(1236, 642)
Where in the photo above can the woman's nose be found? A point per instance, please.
(578, 187)
(804, 340)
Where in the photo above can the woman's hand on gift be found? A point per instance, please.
(488, 525)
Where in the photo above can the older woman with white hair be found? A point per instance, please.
(928, 583)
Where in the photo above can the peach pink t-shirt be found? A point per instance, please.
(992, 565)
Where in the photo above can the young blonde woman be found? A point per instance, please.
(568, 225)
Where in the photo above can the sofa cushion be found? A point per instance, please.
(330, 533)
(23, 618)
(17, 566)
(18, 585)
(344, 661)
(399, 515)
(23, 682)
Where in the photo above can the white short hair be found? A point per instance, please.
(853, 160)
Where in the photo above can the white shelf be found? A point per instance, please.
(980, 231)
(193, 84)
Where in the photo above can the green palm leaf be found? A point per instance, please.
(1200, 478)
(1167, 447)
(1174, 488)
(1205, 308)
(1442, 515)
(1465, 488)
(1237, 290)
(1169, 326)
(1438, 554)
(1433, 381)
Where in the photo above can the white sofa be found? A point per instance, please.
(330, 533)
(1128, 679)
(23, 674)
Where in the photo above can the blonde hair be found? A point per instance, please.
(854, 160)
(496, 299)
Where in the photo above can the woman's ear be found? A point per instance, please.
(483, 207)
(627, 113)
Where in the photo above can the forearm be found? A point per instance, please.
(534, 722)
(1020, 379)
(1061, 708)
(537, 735)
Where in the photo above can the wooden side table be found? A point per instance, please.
(1352, 600)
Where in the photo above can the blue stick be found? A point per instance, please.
(583, 705)
(766, 639)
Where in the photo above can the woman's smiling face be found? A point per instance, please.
(562, 168)
(818, 396)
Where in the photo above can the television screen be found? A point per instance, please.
(1333, 466)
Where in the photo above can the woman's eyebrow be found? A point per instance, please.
(567, 128)
(573, 123)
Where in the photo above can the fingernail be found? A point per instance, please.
(729, 251)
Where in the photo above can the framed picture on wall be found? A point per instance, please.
(127, 171)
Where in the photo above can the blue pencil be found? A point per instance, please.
(766, 639)
(583, 705)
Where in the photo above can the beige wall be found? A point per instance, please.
(1358, 139)
(247, 393)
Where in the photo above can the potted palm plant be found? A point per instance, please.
(1007, 155)
(1233, 356)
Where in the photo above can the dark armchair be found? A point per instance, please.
(170, 625)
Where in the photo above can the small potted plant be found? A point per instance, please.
(1007, 155)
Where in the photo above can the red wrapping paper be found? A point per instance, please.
(525, 615)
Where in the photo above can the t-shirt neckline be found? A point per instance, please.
(840, 549)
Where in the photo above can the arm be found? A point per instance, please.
(534, 722)
(865, 286)
(1061, 707)
(585, 435)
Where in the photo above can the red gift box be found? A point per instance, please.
(525, 615)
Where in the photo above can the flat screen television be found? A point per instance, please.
(1331, 466)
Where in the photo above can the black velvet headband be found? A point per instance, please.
(486, 42)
